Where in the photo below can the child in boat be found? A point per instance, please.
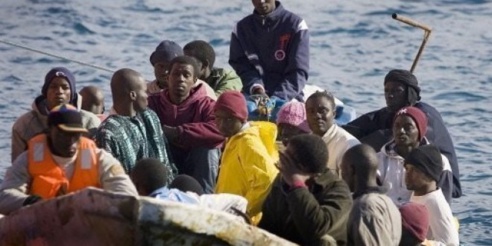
(269, 50)
(409, 129)
(218, 78)
(93, 101)
(320, 110)
(248, 161)
(401, 89)
(424, 167)
(186, 115)
(291, 121)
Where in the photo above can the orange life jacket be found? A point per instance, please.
(49, 180)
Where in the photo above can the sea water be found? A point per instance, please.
(353, 45)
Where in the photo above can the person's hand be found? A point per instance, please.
(170, 132)
(290, 172)
(258, 90)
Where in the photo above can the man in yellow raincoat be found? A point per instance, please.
(248, 162)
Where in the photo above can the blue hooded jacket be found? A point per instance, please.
(272, 51)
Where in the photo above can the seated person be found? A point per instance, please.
(150, 179)
(59, 88)
(186, 115)
(269, 50)
(320, 110)
(59, 162)
(409, 128)
(160, 60)
(374, 219)
(307, 202)
(423, 167)
(218, 78)
(248, 161)
(93, 101)
(401, 89)
(134, 132)
(291, 121)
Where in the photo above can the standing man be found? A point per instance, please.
(270, 51)
(59, 162)
(59, 88)
(133, 132)
(374, 219)
(308, 204)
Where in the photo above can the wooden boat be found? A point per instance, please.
(95, 217)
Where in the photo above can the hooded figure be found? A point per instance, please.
(58, 88)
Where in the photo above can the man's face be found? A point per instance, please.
(64, 143)
(227, 124)
(414, 178)
(58, 92)
(140, 96)
(320, 114)
(161, 71)
(405, 131)
(181, 80)
(264, 7)
(395, 94)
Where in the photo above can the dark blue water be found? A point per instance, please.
(353, 45)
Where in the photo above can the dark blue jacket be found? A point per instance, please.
(375, 129)
(272, 51)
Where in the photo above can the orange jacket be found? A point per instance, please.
(49, 180)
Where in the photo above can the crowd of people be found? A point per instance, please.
(386, 178)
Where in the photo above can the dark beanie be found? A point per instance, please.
(418, 116)
(415, 219)
(407, 78)
(165, 52)
(64, 73)
(186, 183)
(234, 103)
(428, 159)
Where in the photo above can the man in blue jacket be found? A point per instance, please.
(400, 90)
(270, 51)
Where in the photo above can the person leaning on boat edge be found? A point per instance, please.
(58, 88)
(269, 51)
(61, 161)
(401, 89)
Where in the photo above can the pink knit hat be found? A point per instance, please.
(293, 113)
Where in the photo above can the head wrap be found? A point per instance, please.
(415, 219)
(408, 79)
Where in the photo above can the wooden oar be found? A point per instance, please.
(427, 32)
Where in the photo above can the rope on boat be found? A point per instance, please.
(56, 56)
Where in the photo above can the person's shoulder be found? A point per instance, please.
(89, 116)
(24, 120)
(428, 109)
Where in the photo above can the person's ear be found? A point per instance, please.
(206, 64)
(133, 95)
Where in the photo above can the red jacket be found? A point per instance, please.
(194, 118)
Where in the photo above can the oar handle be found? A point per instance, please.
(411, 22)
